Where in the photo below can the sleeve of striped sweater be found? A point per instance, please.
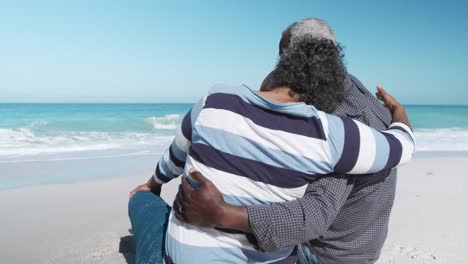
(172, 162)
(356, 148)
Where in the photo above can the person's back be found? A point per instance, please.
(258, 151)
(266, 147)
(360, 227)
(353, 227)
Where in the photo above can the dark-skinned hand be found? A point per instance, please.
(202, 206)
(150, 186)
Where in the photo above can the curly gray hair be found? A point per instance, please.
(314, 27)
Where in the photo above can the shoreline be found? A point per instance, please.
(24, 174)
(30, 173)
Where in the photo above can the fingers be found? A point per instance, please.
(197, 176)
(140, 188)
(179, 216)
(178, 205)
(383, 96)
(179, 199)
(388, 100)
(379, 96)
(186, 189)
(381, 90)
(179, 211)
(180, 193)
(134, 191)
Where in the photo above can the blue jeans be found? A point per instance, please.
(149, 217)
(305, 256)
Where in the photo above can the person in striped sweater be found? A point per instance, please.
(261, 147)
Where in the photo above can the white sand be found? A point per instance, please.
(83, 222)
(429, 222)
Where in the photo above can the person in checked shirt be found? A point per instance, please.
(261, 149)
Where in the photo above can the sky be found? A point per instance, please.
(174, 51)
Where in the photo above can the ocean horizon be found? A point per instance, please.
(69, 142)
(43, 131)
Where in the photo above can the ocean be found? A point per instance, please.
(60, 143)
(74, 131)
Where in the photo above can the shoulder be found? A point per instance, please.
(356, 81)
(226, 89)
(354, 87)
(362, 105)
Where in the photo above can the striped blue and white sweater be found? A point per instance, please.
(257, 151)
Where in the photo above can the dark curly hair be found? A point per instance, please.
(312, 68)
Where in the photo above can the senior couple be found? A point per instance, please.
(299, 171)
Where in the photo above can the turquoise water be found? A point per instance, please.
(440, 128)
(423, 117)
(69, 131)
(92, 117)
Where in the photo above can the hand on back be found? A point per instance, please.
(397, 109)
(389, 101)
(199, 206)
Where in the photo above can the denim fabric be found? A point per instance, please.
(305, 256)
(149, 217)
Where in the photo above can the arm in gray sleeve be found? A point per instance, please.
(285, 224)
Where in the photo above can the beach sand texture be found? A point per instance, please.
(84, 222)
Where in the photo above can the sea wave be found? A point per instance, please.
(15, 142)
(442, 139)
(167, 122)
(30, 141)
(38, 123)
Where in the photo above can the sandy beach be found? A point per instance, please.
(94, 93)
(84, 222)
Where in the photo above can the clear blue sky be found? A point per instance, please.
(175, 50)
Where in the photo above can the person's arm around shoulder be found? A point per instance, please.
(360, 149)
(280, 225)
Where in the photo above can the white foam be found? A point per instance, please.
(38, 123)
(26, 142)
(442, 139)
(167, 122)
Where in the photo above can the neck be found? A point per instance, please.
(280, 94)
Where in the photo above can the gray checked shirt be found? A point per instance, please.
(344, 217)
